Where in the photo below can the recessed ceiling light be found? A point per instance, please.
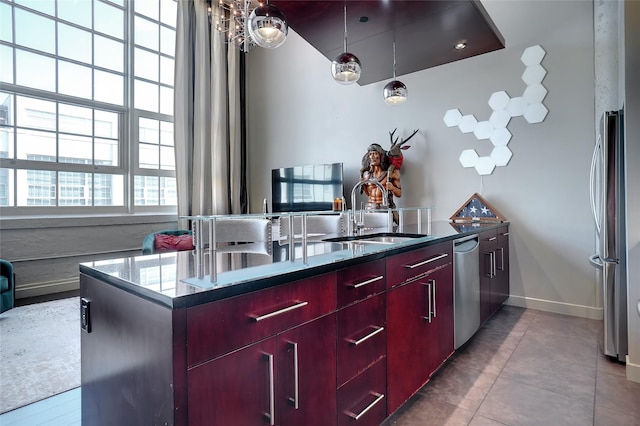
(461, 45)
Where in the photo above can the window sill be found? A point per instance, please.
(38, 222)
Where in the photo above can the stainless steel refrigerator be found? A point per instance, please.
(608, 206)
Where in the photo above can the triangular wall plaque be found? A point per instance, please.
(477, 209)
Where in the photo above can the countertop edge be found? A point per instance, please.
(201, 297)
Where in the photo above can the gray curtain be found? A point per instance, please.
(208, 117)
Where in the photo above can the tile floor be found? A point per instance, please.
(527, 367)
(523, 367)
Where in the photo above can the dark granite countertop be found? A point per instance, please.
(169, 279)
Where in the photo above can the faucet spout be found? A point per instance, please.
(359, 225)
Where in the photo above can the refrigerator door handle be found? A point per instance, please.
(596, 261)
(592, 182)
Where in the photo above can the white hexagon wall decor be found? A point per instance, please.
(532, 55)
(468, 158)
(534, 93)
(468, 124)
(500, 137)
(499, 118)
(498, 100)
(452, 117)
(504, 107)
(517, 106)
(534, 74)
(484, 166)
(501, 155)
(483, 130)
(535, 113)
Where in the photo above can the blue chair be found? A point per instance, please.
(7, 286)
(148, 244)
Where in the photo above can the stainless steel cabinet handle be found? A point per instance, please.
(493, 265)
(369, 281)
(501, 259)
(354, 416)
(505, 234)
(429, 296)
(490, 273)
(296, 378)
(278, 312)
(424, 262)
(434, 297)
(271, 413)
(492, 239)
(367, 337)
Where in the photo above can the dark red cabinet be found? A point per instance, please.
(284, 380)
(420, 326)
(502, 266)
(494, 270)
(345, 347)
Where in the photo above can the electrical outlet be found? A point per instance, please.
(85, 314)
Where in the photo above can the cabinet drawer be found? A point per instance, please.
(413, 264)
(503, 234)
(489, 237)
(362, 336)
(362, 401)
(360, 282)
(219, 327)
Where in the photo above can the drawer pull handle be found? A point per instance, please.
(367, 337)
(270, 414)
(280, 311)
(505, 234)
(492, 239)
(363, 283)
(424, 262)
(295, 400)
(429, 286)
(354, 416)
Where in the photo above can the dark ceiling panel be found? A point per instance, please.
(425, 32)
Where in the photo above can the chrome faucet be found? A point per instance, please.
(355, 225)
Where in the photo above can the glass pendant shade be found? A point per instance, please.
(346, 68)
(395, 92)
(267, 26)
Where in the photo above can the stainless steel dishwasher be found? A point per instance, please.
(466, 288)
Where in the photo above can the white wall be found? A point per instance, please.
(631, 78)
(298, 115)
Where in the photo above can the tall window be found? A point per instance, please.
(86, 105)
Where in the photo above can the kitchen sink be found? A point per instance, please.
(381, 238)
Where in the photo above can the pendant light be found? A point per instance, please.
(395, 92)
(346, 68)
(268, 26)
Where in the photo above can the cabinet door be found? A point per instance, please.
(411, 341)
(307, 374)
(237, 389)
(443, 316)
(502, 267)
(488, 241)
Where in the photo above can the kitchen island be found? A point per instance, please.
(349, 334)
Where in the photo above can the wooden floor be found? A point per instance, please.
(59, 410)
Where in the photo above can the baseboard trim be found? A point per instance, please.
(589, 312)
(47, 287)
(633, 371)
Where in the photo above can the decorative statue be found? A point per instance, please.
(383, 166)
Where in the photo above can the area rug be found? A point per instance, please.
(39, 351)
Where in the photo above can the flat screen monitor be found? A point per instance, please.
(306, 188)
